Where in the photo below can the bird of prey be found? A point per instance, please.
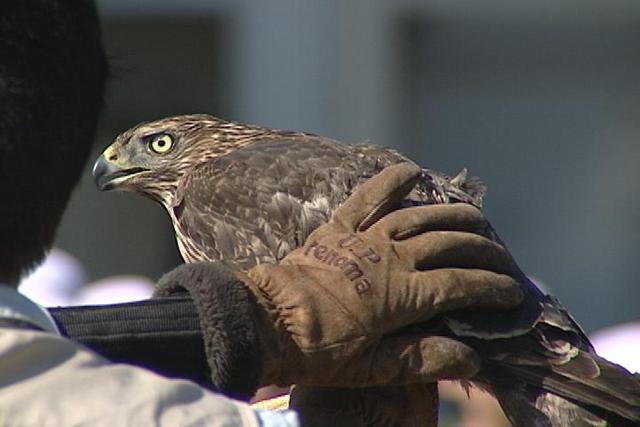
(245, 195)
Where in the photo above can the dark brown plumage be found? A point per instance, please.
(246, 195)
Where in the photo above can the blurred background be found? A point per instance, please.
(539, 99)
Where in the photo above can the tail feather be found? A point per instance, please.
(527, 406)
(560, 396)
(617, 387)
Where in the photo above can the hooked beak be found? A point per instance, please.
(108, 175)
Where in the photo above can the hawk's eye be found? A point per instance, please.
(161, 143)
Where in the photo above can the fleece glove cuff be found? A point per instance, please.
(226, 311)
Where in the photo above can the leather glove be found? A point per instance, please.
(328, 307)
(388, 406)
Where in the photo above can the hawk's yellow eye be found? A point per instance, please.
(161, 143)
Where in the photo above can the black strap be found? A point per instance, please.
(163, 335)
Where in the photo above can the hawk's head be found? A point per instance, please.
(151, 158)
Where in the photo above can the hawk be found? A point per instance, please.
(244, 195)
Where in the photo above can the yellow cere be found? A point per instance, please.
(109, 152)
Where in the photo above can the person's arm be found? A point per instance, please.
(161, 335)
(46, 380)
(165, 335)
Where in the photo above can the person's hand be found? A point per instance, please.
(389, 406)
(327, 308)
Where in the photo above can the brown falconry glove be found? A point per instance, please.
(327, 307)
(387, 406)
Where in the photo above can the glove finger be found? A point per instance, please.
(377, 196)
(409, 222)
(429, 293)
(456, 249)
(408, 359)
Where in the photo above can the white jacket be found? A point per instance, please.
(46, 380)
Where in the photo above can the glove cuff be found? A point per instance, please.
(228, 321)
